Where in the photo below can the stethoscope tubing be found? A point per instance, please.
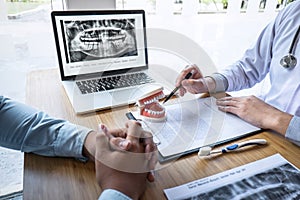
(293, 44)
(289, 61)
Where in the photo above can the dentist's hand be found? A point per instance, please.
(196, 83)
(256, 112)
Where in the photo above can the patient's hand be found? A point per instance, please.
(124, 158)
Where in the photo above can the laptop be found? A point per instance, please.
(102, 57)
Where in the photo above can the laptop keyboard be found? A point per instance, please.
(113, 82)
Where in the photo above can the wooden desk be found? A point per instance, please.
(65, 178)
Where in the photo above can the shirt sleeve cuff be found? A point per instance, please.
(70, 141)
(292, 132)
(113, 194)
(221, 82)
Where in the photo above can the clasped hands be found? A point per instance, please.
(125, 158)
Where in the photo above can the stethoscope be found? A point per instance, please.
(289, 61)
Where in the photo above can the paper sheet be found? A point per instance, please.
(269, 178)
(193, 124)
(11, 172)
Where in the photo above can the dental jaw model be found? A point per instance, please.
(149, 107)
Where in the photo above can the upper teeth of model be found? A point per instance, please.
(154, 99)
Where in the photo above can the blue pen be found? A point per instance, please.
(234, 147)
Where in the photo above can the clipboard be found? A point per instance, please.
(193, 124)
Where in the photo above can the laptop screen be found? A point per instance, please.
(90, 42)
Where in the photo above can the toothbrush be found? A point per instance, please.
(205, 151)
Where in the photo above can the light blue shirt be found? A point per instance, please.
(113, 195)
(26, 129)
(264, 58)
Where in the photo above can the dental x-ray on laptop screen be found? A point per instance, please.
(102, 57)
